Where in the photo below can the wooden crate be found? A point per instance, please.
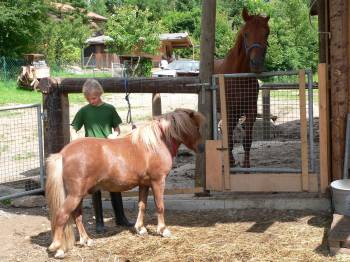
(339, 235)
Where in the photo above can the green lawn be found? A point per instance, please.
(11, 94)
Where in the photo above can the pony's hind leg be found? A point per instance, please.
(139, 225)
(83, 236)
(59, 244)
(158, 191)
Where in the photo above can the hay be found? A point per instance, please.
(225, 235)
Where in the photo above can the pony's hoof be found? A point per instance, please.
(59, 254)
(141, 231)
(53, 247)
(90, 242)
(86, 242)
(166, 233)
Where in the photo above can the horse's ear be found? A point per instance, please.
(245, 14)
(267, 18)
(191, 114)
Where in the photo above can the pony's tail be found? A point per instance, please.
(55, 195)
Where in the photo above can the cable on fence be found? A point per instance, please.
(127, 93)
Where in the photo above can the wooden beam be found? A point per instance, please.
(338, 14)
(303, 133)
(156, 104)
(224, 129)
(213, 165)
(186, 85)
(207, 43)
(324, 127)
(271, 182)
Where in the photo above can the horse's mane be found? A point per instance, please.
(174, 125)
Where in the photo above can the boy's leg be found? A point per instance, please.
(97, 204)
(117, 203)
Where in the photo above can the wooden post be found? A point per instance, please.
(324, 127)
(156, 104)
(266, 114)
(303, 133)
(339, 73)
(226, 156)
(206, 70)
(56, 117)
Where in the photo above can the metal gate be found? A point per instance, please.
(21, 151)
(278, 108)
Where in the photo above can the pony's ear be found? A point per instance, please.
(245, 14)
(191, 114)
(267, 18)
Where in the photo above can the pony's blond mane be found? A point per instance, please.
(176, 125)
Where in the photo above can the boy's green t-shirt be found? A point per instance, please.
(98, 121)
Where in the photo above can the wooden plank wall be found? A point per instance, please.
(339, 80)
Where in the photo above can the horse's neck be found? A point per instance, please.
(236, 60)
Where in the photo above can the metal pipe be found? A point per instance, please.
(18, 107)
(25, 193)
(264, 74)
(41, 153)
(215, 125)
(311, 121)
(346, 155)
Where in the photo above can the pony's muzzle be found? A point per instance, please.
(201, 148)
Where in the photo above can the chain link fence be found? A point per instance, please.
(10, 68)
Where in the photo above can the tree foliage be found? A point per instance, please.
(136, 25)
(132, 31)
(21, 26)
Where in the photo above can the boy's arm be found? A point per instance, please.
(73, 134)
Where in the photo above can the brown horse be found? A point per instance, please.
(247, 55)
(141, 158)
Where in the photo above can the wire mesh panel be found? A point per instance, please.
(264, 122)
(21, 169)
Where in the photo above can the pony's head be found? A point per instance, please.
(183, 126)
(180, 126)
(255, 32)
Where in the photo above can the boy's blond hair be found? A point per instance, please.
(92, 86)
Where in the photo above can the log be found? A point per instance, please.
(185, 85)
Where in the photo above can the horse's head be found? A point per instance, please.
(187, 124)
(255, 33)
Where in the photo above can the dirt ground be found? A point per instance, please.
(222, 235)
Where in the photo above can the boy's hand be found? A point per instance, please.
(115, 134)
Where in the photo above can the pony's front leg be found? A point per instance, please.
(158, 192)
(83, 236)
(139, 225)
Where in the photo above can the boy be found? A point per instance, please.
(98, 119)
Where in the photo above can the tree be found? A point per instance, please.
(21, 26)
(132, 31)
(61, 48)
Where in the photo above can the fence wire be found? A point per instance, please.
(263, 118)
(20, 151)
(10, 68)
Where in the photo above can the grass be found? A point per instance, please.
(26, 155)
(11, 94)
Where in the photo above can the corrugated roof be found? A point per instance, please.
(98, 39)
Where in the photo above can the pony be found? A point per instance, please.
(246, 56)
(143, 158)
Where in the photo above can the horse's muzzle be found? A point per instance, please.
(201, 148)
